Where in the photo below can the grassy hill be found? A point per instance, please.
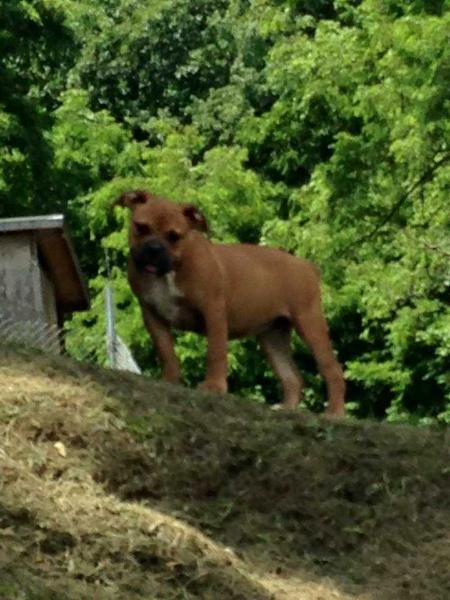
(113, 486)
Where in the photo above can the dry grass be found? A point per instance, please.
(116, 487)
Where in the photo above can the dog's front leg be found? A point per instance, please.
(216, 358)
(163, 341)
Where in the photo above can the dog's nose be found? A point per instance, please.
(153, 247)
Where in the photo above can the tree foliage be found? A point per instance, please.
(321, 127)
(35, 52)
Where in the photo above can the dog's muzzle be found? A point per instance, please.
(152, 257)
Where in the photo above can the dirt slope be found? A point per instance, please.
(113, 486)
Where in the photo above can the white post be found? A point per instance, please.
(110, 327)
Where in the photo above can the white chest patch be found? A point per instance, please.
(163, 294)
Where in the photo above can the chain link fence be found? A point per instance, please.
(35, 332)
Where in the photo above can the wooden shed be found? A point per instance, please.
(40, 278)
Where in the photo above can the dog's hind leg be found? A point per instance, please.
(276, 344)
(312, 327)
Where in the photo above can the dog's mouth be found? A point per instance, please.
(152, 259)
(161, 268)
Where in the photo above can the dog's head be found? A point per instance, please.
(159, 230)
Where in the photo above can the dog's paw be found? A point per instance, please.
(171, 377)
(334, 414)
(216, 387)
(284, 406)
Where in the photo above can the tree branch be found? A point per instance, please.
(422, 179)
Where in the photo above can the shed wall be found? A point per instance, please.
(19, 276)
(27, 298)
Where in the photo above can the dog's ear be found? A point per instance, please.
(195, 218)
(130, 199)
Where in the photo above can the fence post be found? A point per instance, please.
(110, 327)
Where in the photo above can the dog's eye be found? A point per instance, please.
(173, 237)
(142, 229)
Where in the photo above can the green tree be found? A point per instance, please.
(35, 51)
(361, 120)
(321, 127)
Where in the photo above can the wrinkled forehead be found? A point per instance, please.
(160, 215)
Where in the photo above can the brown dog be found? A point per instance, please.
(184, 281)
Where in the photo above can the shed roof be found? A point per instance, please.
(57, 253)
